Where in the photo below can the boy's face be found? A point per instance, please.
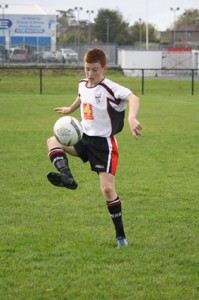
(94, 73)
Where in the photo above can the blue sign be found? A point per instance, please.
(29, 30)
(5, 23)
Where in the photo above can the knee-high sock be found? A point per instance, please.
(59, 159)
(115, 210)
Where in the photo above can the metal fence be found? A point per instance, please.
(191, 76)
(52, 79)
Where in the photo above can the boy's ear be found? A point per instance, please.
(105, 68)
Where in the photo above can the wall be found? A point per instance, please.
(139, 60)
(179, 59)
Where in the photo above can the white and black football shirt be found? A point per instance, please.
(102, 107)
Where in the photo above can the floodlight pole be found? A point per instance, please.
(89, 12)
(147, 27)
(186, 14)
(3, 7)
(174, 24)
(107, 30)
(140, 21)
(78, 19)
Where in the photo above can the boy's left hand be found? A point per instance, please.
(136, 128)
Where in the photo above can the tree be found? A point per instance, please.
(109, 27)
(138, 32)
(66, 13)
(65, 30)
(190, 16)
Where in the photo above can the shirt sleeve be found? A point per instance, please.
(121, 92)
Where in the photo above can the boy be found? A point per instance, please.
(102, 104)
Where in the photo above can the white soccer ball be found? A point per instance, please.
(68, 130)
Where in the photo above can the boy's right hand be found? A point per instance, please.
(62, 110)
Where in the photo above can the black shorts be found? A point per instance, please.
(101, 152)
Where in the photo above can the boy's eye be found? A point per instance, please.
(93, 70)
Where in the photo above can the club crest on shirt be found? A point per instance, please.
(97, 98)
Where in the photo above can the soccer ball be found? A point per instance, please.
(68, 131)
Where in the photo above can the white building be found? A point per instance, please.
(26, 25)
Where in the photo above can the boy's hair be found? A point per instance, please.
(96, 55)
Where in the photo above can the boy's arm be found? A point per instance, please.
(134, 103)
(69, 109)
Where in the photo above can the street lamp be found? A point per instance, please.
(186, 14)
(174, 23)
(3, 7)
(89, 12)
(107, 30)
(140, 20)
(78, 9)
(147, 27)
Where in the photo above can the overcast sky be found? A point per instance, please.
(156, 11)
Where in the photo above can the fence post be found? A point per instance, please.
(192, 82)
(40, 79)
(142, 81)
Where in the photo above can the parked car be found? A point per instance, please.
(36, 56)
(58, 56)
(51, 56)
(69, 55)
(1, 57)
(18, 55)
(4, 55)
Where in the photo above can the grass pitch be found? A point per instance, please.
(59, 244)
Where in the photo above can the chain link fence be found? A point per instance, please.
(62, 54)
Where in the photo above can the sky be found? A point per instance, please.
(157, 12)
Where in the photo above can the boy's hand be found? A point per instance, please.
(62, 110)
(135, 127)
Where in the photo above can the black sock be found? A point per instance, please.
(115, 210)
(59, 159)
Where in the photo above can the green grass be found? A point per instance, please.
(59, 244)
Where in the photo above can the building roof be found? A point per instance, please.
(23, 9)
